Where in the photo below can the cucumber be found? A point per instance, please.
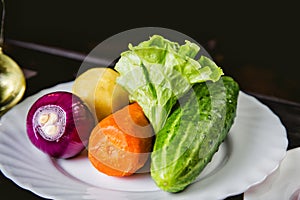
(193, 133)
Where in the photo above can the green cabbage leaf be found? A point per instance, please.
(157, 72)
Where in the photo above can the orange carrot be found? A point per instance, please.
(121, 143)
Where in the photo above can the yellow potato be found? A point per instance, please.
(98, 88)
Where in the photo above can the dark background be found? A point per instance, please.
(255, 42)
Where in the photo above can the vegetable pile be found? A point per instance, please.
(158, 103)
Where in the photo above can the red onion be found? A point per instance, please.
(59, 124)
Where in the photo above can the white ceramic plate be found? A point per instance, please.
(253, 149)
(284, 183)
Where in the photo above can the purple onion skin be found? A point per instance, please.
(79, 124)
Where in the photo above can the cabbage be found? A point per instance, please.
(157, 72)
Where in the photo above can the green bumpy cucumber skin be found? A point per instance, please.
(193, 133)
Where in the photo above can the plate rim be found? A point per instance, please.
(274, 176)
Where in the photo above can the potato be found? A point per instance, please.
(98, 88)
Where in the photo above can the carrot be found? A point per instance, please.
(121, 143)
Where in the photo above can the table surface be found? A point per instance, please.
(47, 64)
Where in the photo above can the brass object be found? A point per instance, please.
(12, 79)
